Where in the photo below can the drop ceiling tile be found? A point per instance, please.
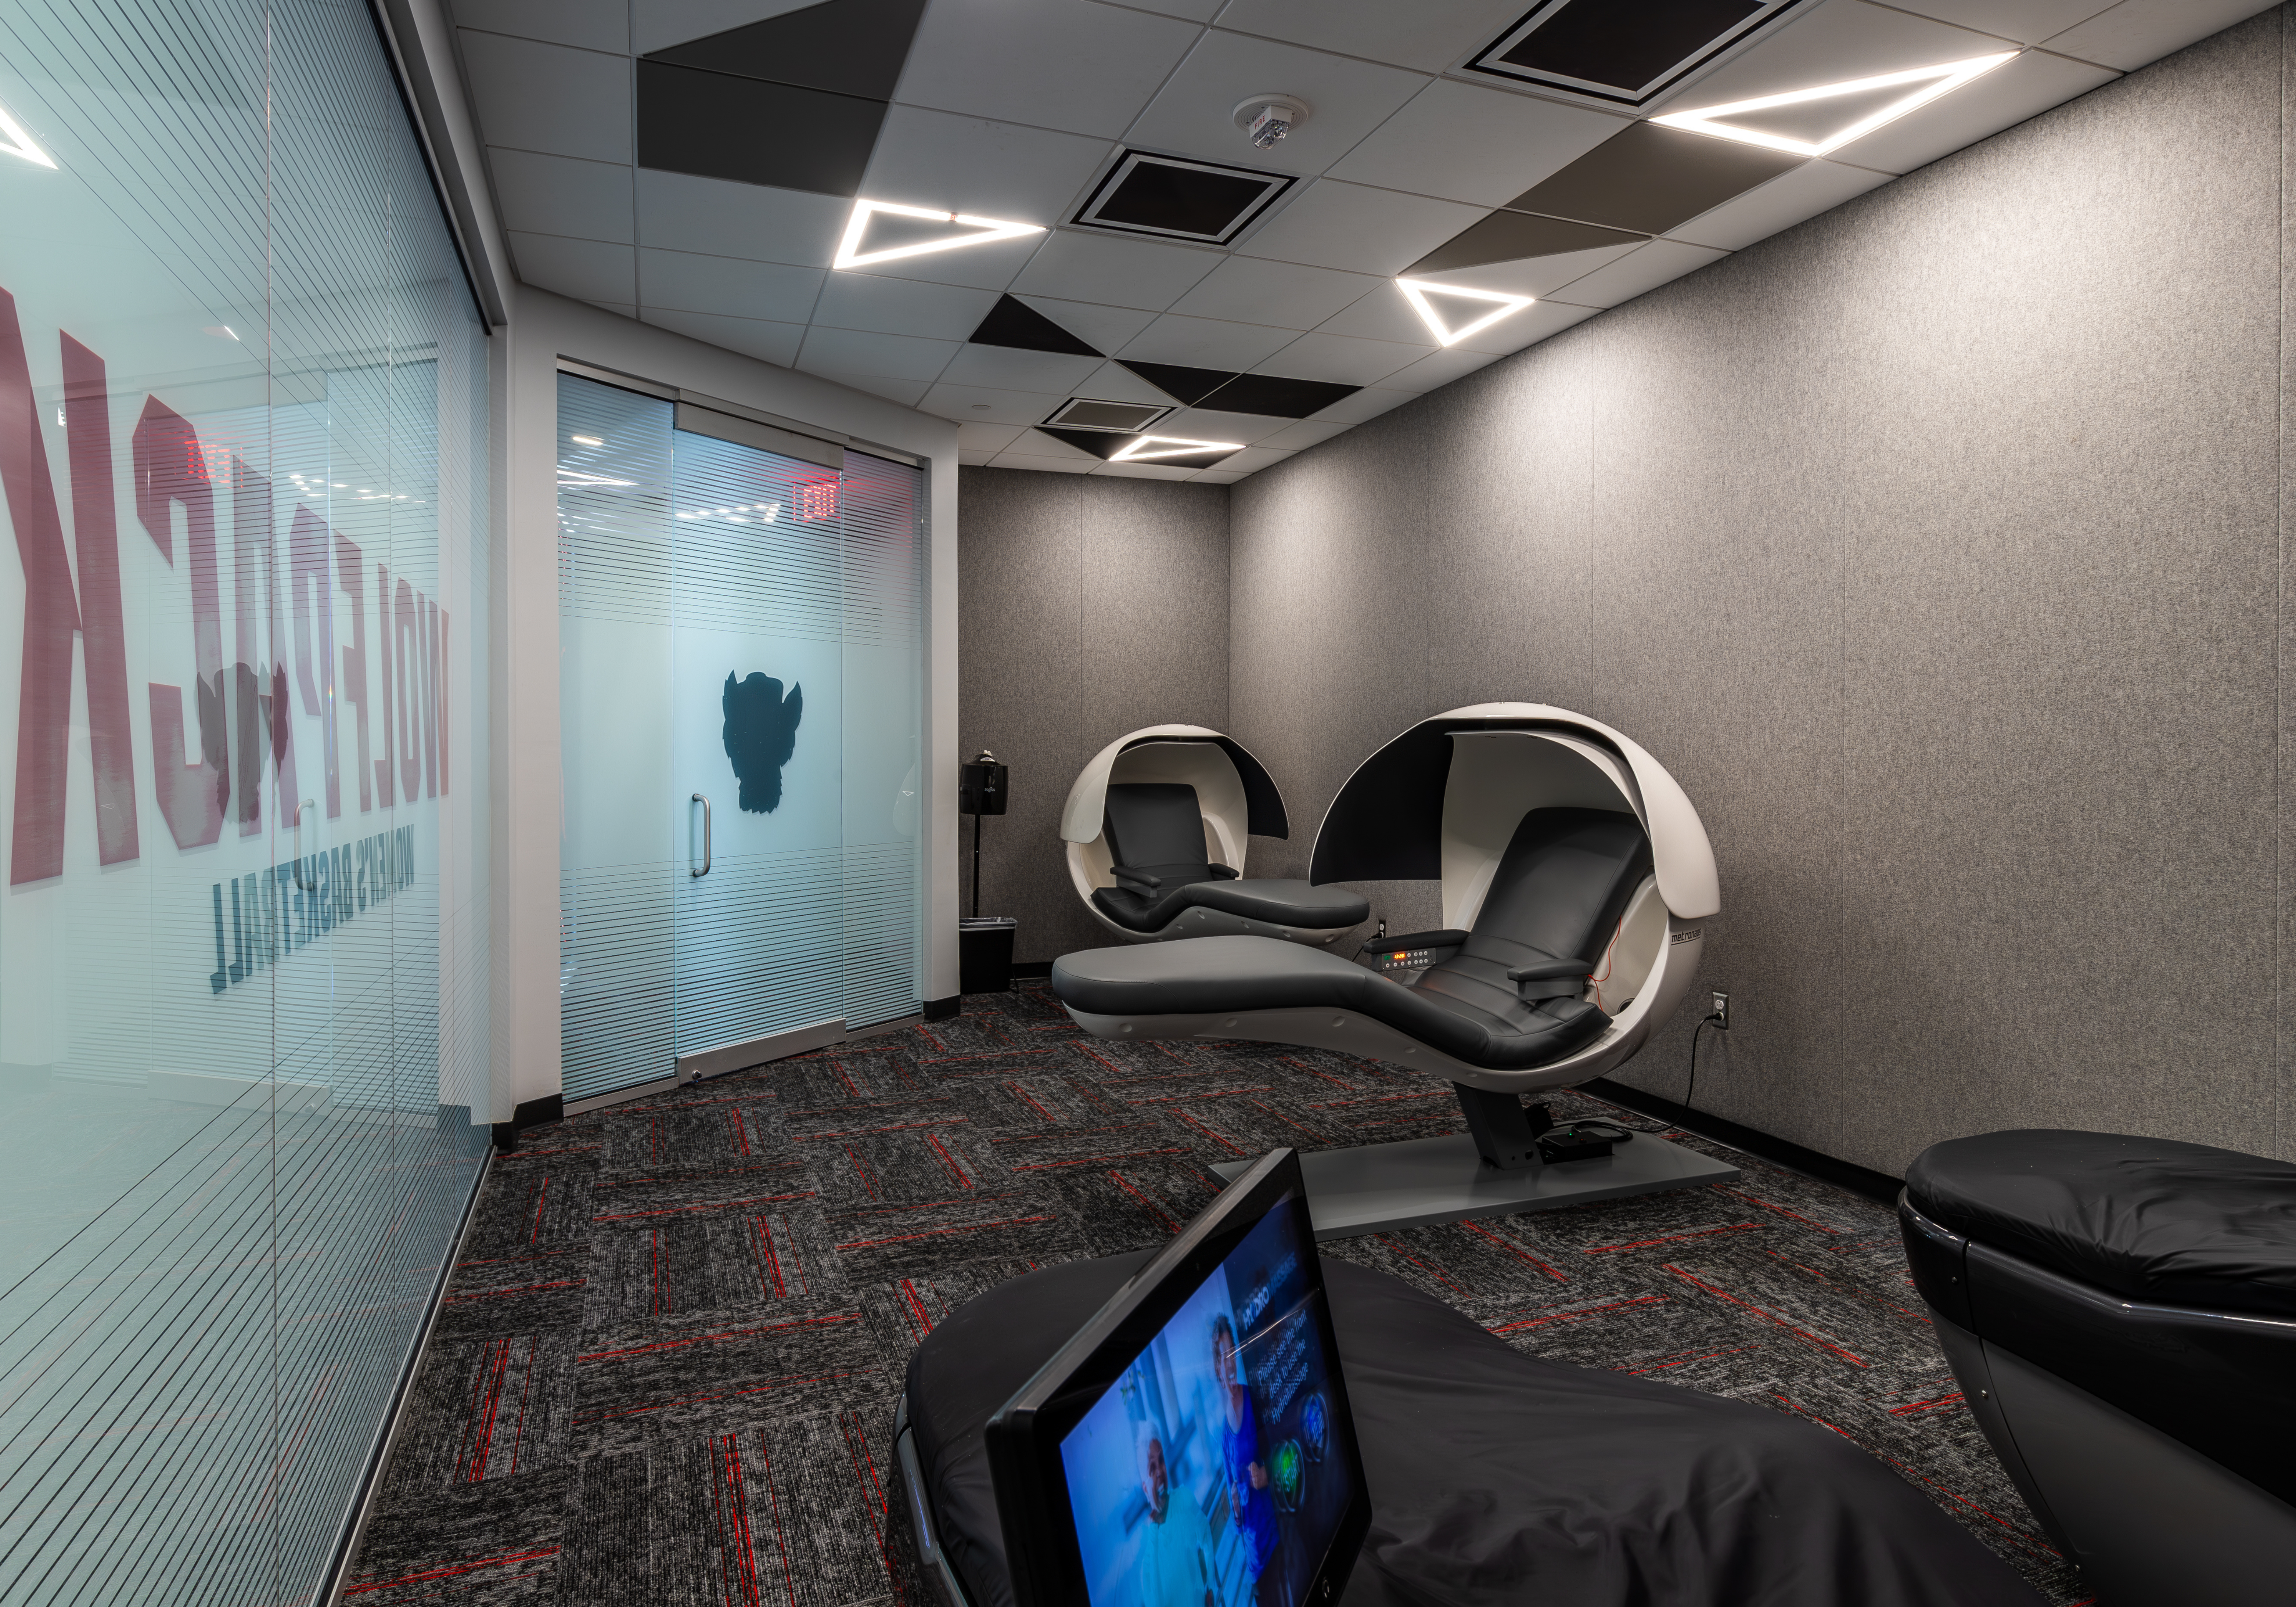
(1008, 369)
(989, 438)
(591, 24)
(888, 357)
(1078, 464)
(1140, 274)
(659, 24)
(1647, 178)
(1182, 384)
(560, 196)
(991, 169)
(1145, 471)
(1479, 146)
(718, 217)
(1204, 342)
(1801, 192)
(1532, 277)
(971, 459)
(587, 270)
(1216, 476)
(2136, 32)
(720, 125)
(1307, 432)
(1209, 424)
(900, 306)
(1276, 395)
(2026, 21)
(1104, 327)
(1252, 458)
(759, 338)
(1340, 359)
(908, 393)
(621, 309)
(2003, 98)
(1253, 289)
(1368, 403)
(1515, 236)
(855, 48)
(1013, 323)
(1833, 43)
(1433, 372)
(988, 405)
(1114, 382)
(1645, 269)
(688, 282)
(1193, 114)
(532, 96)
(1067, 443)
(1427, 35)
(1357, 228)
(1068, 65)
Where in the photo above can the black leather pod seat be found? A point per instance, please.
(1156, 828)
(1503, 996)
(2121, 1314)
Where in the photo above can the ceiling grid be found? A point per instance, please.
(1046, 219)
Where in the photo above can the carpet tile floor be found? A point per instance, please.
(665, 1370)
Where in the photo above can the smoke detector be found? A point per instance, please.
(1268, 118)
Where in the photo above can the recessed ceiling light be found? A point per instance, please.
(1417, 290)
(1169, 445)
(1085, 412)
(850, 255)
(20, 143)
(1922, 84)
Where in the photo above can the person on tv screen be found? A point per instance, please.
(1249, 1497)
(1175, 1561)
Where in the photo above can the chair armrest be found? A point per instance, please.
(1224, 872)
(1545, 969)
(1412, 941)
(1138, 881)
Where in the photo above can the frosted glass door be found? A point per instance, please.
(756, 715)
(740, 638)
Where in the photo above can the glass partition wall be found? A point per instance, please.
(741, 632)
(243, 1022)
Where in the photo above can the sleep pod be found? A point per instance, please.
(1155, 831)
(1576, 879)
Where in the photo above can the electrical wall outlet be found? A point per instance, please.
(1721, 1009)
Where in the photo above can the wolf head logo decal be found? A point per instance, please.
(760, 736)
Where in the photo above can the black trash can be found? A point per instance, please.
(984, 952)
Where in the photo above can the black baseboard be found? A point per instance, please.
(531, 1113)
(940, 1009)
(1842, 1173)
(1023, 969)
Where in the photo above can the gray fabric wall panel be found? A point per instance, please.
(1087, 607)
(1934, 545)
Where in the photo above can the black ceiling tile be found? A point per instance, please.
(1013, 322)
(1513, 236)
(714, 126)
(1271, 396)
(1186, 385)
(853, 47)
(1100, 443)
(1174, 197)
(1648, 179)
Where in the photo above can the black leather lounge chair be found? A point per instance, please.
(1156, 831)
(2121, 1314)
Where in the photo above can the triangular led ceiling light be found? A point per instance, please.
(1866, 103)
(1417, 290)
(15, 141)
(978, 231)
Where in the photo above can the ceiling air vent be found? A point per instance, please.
(1622, 55)
(1077, 413)
(1173, 198)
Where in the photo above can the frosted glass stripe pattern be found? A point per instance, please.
(246, 1071)
(744, 628)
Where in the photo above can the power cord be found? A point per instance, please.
(1689, 1091)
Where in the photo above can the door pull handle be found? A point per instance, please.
(704, 870)
(311, 886)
